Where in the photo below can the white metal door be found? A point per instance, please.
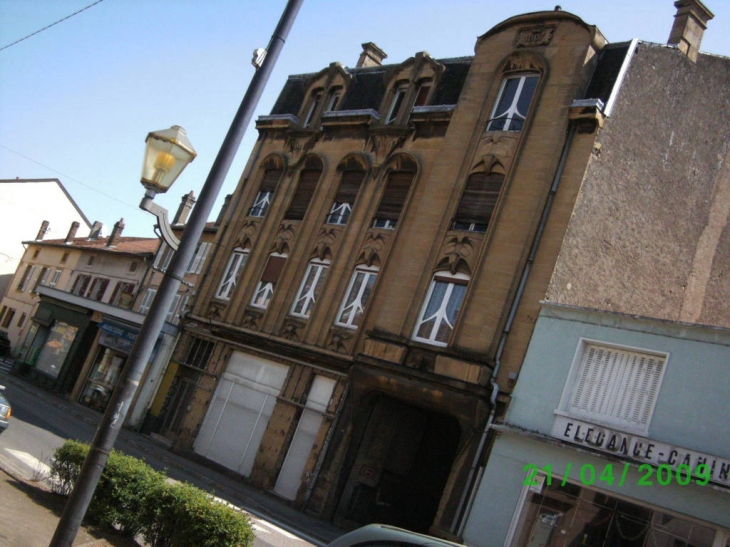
(239, 412)
(290, 476)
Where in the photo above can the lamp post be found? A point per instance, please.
(162, 167)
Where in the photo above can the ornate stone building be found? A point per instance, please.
(376, 279)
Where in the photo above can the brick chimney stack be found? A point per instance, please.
(186, 205)
(95, 232)
(43, 231)
(116, 234)
(371, 55)
(689, 25)
(72, 233)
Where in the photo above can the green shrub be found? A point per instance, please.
(66, 465)
(180, 515)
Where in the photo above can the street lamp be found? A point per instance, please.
(167, 153)
(162, 164)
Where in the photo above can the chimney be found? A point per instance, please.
(116, 234)
(186, 205)
(72, 233)
(223, 210)
(689, 25)
(371, 55)
(43, 231)
(95, 232)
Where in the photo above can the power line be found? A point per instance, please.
(52, 24)
(88, 186)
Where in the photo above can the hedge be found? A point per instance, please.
(134, 499)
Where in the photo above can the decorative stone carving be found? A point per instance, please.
(339, 342)
(326, 238)
(459, 252)
(373, 246)
(214, 311)
(420, 360)
(534, 36)
(251, 320)
(283, 237)
(290, 330)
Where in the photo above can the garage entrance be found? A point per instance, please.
(402, 466)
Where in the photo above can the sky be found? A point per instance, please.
(77, 100)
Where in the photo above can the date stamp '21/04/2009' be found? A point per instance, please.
(588, 475)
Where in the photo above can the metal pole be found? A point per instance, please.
(137, 361)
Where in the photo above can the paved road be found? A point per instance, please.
(41, 422)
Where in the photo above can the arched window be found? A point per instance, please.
(356, 298)
(266, 192)
(310, 288)
(350, 182)
(235, 265)
(308, 179)
(269, 279)
(478, 201)
(513, 104)
(441, 308)
(394, 196)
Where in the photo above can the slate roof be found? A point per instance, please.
(368, 87)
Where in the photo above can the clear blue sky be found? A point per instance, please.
(77, 100)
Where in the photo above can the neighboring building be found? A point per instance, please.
(371, 295)
(617, 429)
(24, 204)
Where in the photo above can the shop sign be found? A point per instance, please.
(117, 337)
(638, 449)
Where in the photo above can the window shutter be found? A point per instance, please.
(396, 192)
(271, 179)
(479, 198)
(349, 186)
(273, 269)
(305, 190)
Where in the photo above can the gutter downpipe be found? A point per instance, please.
(477, 471)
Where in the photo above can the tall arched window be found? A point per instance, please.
(352, 177)
(308, 179)
(514, 100)
(478, 201)
(395, 194)
(266, 192)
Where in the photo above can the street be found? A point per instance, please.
(41, 422)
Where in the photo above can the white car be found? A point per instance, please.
(382, 535)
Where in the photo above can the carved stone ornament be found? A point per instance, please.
(339, 342)
(534, 36)
(420, 360)
(214, 311)
(290, 330)
(323, 248)
(285, 235)
(372, 248)
(251, 320)
(459, 251)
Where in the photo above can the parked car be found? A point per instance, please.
(5, 410)
(4, 344)
(382, 535)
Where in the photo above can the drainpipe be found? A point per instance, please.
(477, 471)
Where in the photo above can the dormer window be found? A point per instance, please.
(513, 104)
(316, 99)
(333, 100)
(422, 94)
(395, 105)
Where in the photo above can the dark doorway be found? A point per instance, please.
(402, 466)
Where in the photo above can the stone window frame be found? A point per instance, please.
(512, 115)
(269, 279)
(234, 267)
(352, 308)
(437, 304)
(310, 288)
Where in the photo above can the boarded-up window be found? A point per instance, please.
(394, 197)
(308, 179)
(478, 202)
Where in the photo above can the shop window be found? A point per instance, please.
(357, 296)
(310, 288)
(308, 178)
(198, 353)
(615, 386)
(102, 379)
(265, 287)
(266, 193)
(394, 197)
(197, 262)
(56, 347)
(345, 198)
(513, 104)
(149, 297)
(478, 202)
(564, 514)
(235, 265)
(441, 308)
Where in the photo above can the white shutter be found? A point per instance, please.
(616, 386)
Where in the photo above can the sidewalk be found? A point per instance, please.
(253, 501)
